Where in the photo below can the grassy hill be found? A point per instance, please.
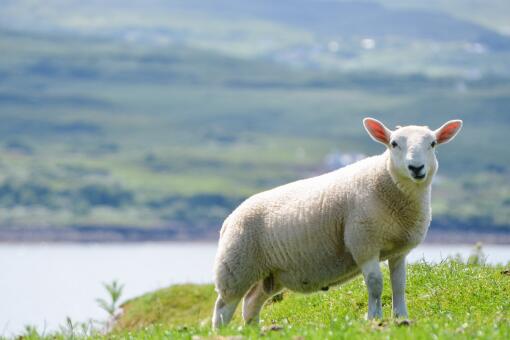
(445, 301)
(449, 300)
(112, 125)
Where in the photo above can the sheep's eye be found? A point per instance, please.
(433, 144)
(394, 144)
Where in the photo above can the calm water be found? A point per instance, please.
(43, 284)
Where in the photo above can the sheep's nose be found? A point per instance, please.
(416, 169)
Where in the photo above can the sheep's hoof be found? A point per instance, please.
(272, 328)
(403, 322)
(378, 324)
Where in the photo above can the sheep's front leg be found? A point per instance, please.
(373, 280)
(398, 285)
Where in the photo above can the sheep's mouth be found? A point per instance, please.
(419, 177)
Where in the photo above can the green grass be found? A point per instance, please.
(449, 300)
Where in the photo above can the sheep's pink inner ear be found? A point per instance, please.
(446, 132)
(377, 130)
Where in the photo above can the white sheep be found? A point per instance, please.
(322, 231)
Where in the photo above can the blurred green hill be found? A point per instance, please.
(166, 115)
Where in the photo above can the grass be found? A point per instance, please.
(448, 300)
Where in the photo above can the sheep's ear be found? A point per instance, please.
(448, 131)
(377, 130)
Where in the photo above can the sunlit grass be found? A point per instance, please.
(449, 300)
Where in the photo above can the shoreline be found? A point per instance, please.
(130, 235)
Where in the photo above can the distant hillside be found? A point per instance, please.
(489, 13)
(329, 35)
(354, 19)
(324, 17)
(157, 123)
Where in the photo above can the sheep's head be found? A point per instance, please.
(412, 148)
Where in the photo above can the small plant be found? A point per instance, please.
(114, 290)
(30, 332)
(477, 256)
(73, 330)
(68, 330)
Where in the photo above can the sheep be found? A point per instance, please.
(314, 233)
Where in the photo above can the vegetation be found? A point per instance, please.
(114, 290)
(448, 300)
(171, 127)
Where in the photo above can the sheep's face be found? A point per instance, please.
(412, 153)
(412, 148)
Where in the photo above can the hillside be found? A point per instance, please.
(435, 38)
(445, 301)
(113, 127)
(348, 19)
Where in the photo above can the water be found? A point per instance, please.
(43, 284)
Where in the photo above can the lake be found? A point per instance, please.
(41, 285)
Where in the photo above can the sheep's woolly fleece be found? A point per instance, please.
(309, 234)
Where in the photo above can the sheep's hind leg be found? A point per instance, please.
(257, 296)
(223, 312)
(253, 302)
